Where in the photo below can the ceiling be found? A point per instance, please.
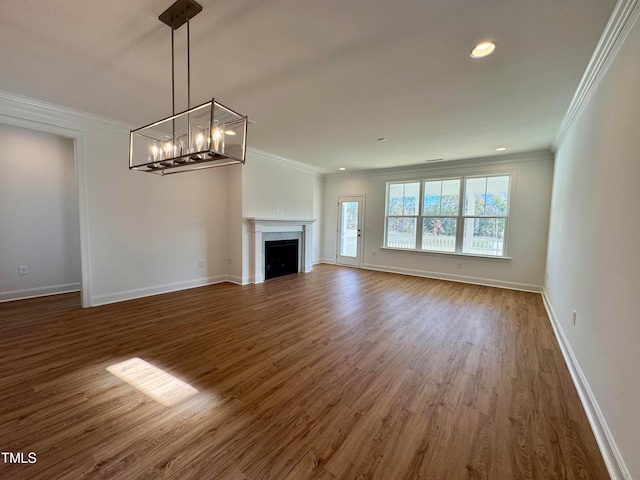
(322, 80)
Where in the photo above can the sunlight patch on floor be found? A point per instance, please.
(154, 382)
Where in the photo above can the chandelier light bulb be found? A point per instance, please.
(154, 152)
(199, 140)
(167, 149)
(217, 137)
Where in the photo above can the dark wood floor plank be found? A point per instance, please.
(335, 374)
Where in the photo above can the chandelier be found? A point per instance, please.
(206, 136)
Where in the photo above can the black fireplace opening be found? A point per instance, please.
(280, 258)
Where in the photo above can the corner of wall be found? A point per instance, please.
(607, 444)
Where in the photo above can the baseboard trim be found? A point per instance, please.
(237, 280)
(608, 448)
(125, 295)
(23, 294)
(328, 261)
(487, 282)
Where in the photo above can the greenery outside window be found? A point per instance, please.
(465, 215)
(402, 214)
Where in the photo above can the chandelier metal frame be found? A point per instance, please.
(206, 136)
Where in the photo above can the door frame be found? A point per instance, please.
(360, 197)
(52, 124)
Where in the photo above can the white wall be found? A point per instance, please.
(38, 214)
(235, 223)
(140, 234)
(148, 233)
(526, 231)
(594, 254)
(318, 205)
(275, 188)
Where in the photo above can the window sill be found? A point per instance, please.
(449, 254)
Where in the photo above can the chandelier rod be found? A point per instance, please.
(188, 77)
(173, 78)
(188, 62)
(173, 89)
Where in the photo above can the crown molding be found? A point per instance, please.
(622, 20)
(277, 159)
(16, 106)
(464, 164)
(25, 108)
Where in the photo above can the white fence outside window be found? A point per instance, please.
(479, 245)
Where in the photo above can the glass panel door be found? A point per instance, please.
(349, 231)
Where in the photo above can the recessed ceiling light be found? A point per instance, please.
(501, 149)
(342, 169)
(483, 49)
(382, 139)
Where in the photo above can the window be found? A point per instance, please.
(485, 215)
(402, 214)
(465, 215)
(440, 210)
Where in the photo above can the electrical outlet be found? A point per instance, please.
(459, 265)
(201, 264)
(373, 254)
(23, 270)
(574, 317)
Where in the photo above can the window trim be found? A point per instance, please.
(460, 218)
(450, 254)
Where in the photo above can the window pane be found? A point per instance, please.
(441, 197)
(497, 195)
(432, 194)
(349, 229)
(401, 232)
(439, 234)
(396, 195)
(451, 197)
(403, 198)
(411, 196)
(474, 196)
(486, 196)
(484, 236)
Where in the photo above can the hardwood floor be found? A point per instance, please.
(335, 374)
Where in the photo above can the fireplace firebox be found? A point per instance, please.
(281, 258)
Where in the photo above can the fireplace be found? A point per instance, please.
(280, 258)
(264, 231)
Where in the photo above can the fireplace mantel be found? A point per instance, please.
(259, 226)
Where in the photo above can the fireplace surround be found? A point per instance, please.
(267, 229)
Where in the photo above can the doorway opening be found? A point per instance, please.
(41, 235)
